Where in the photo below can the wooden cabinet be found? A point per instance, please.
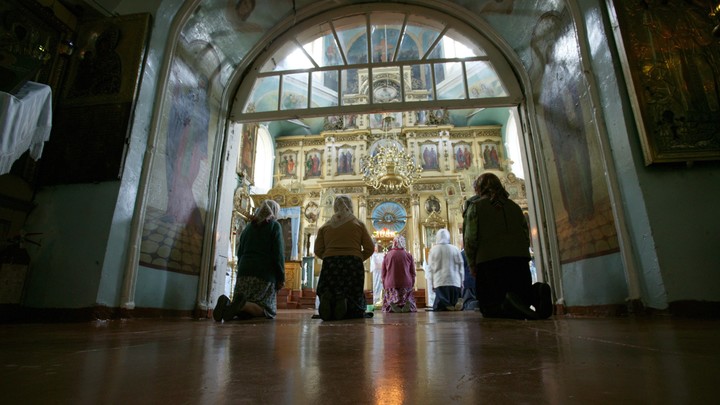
(293, 274)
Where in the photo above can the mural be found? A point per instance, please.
(581, 202)
(247, 151)
(175, 218)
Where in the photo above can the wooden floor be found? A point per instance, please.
(415, 358)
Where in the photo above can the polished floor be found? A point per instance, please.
(421, 358)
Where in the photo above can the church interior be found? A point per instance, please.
(138, 138)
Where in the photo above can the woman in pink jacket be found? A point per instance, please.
(398, 278)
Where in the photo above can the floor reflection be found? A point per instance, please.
(411, 358)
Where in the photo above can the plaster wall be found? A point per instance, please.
(674, 228)
(87, 227)
(74, 220)
(116, 259)
(165, 289)
(596, 281)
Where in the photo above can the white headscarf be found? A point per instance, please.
(442, 237)
(267, 210)
(343, 211)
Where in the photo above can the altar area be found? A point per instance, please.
(310, 170)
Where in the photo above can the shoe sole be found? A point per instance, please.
(544, 307)
(339, 308)
(325, 309)
(519, 307)
(220, 308)
(234, 308)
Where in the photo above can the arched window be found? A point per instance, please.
(263, 162)
(375, 61)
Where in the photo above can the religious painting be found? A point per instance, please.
(345, 160)
(248, 144)
(312, 211)
(671, 63)
(313, 163)
(178, 197)
(462, 155)
(91, 122)
(429, 156)
(350, 121)
(385, 121)
(437, 117)
(571, 152)
(491, 155)
(287, 164)
(432, 204)
(105, 63)
(333, 123)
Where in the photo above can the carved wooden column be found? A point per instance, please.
(362, 208)
(454, 220)
(415, 223)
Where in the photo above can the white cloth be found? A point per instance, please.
(376, 261)
(445, 264)
(25, 123)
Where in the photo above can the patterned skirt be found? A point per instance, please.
(260, 292)
(400, 297)
(344, 276)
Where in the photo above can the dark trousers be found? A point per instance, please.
(496, 278)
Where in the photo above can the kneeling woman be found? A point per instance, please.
(343, 243)
(398, 278)
(445, 264)
(261, 268)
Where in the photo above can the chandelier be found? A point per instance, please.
(389, 167)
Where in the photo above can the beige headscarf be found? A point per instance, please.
(267, 210)
(343, 209)
(398, 242)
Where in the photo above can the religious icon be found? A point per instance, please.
(313, 163)
(432, 204)
(287, 166)
(463, 156)
(429, 153)
(491, 157)
(345, 161)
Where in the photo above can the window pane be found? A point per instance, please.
(449, 78)
(324, 51)
(386, 85)
(420, 83)
(461, 47)
(385, 29)
(420, 33)
(352, 90)
(294, 93)
(289, 56)
(352, 32)
(483, 81)
(264, 96)
(325, 87)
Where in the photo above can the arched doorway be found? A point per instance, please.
(361, 64)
